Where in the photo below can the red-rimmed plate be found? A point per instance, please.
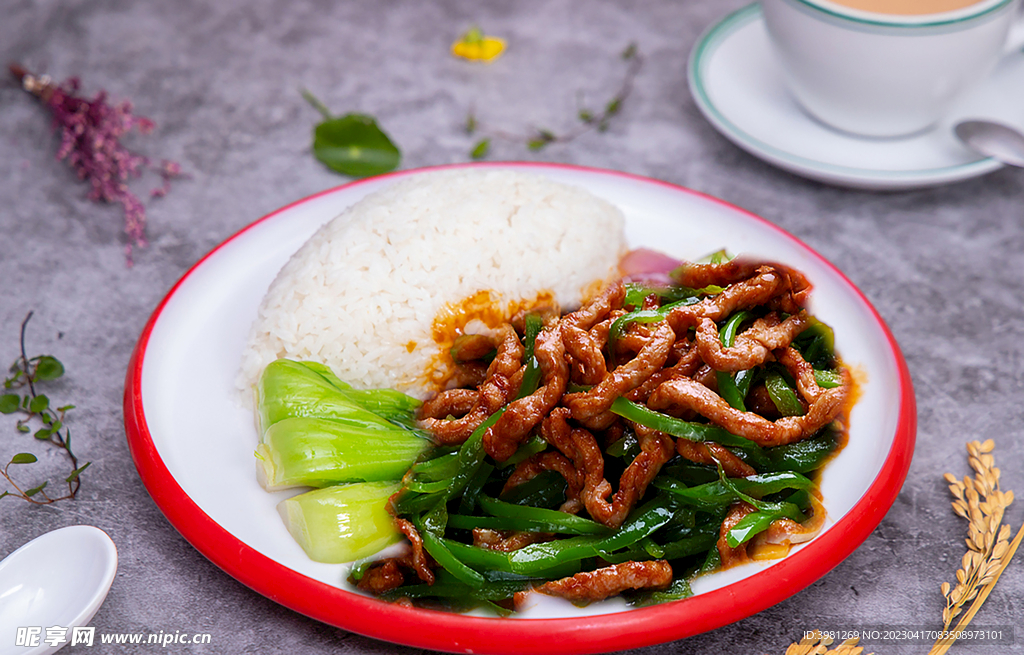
(192, 442)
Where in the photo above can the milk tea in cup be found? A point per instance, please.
(886, 68)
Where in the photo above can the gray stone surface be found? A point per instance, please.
(943, 266)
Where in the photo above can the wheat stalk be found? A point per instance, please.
(815, 643)
(982, 503)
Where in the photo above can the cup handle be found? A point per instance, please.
(1015, 39)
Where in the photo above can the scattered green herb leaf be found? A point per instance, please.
(352, 144)
(9, 403)
(48, 368)
(480, 149)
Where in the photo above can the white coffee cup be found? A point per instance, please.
(885, 75)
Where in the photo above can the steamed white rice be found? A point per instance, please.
(363, 293)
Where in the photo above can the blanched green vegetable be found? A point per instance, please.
(289, 389)
(316, 452)
(342, 523)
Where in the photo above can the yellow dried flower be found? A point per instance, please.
(476, 46)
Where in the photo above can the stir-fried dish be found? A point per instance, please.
(657, 433)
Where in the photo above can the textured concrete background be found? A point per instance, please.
(943, 266)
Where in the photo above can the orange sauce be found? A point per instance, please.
(485, 306)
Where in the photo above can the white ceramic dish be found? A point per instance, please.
(58, 579)
(736, 82)
(193, 444)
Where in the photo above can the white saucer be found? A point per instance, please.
(737, 84)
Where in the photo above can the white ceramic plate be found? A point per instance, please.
(193, 444)
(736, 82)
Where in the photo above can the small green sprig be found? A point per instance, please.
(20, 397)
(539, 138)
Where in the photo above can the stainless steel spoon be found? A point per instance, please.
(993, 139)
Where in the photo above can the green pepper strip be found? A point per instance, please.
(438, 468)
(783, 395)
(804, 456)
(680, 588)
(677, 549)
(712, 561)
(468, 501)
(464, 522)
(532, 374)
(448, 586)
(757, 522)
(495, 565)
(546, 490)
(726, 491)
(620, 324)
(727, 385)
(479, 558)
(426, 487)
(531, 328)
(637, 293)
(554, 520)
(817, 344)
(439, 551)
(679, 428)
(533, 445)
(431, 527)
(827, 379)
(745, 379)
(471, 456)
(536, 557)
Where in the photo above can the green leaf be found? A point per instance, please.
(34, 490)
(481, 149)
(24, 458)
(355, 145)
(43, 433)
(38, 404)
(629, 52)
(9, 403)
(65, 408)
(613, 106)
(586, 116)
(6, 493)
(78, 471)
(547, 135)
(536, 144)
(24, 428)
(48, 368)
(470, 123)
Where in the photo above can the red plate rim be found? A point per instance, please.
(469, 634)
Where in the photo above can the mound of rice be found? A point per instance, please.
(363, 293)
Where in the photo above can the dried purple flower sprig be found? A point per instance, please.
(90, 133)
